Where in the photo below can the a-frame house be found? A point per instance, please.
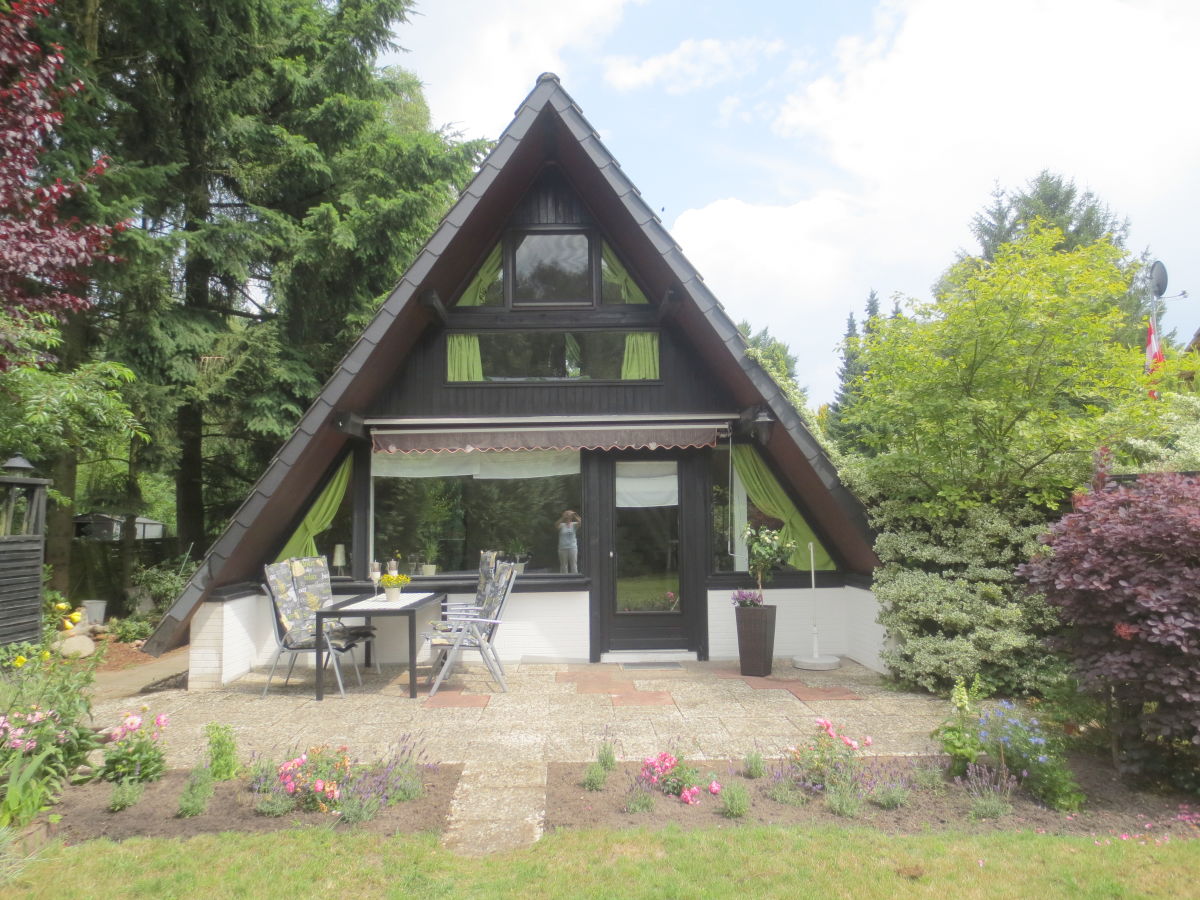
(550, 349)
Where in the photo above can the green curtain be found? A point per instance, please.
(641, 348)
(319, 517)
(476, 292)
(641, 356)
(765, 493)
(614, 273)
(463, 361)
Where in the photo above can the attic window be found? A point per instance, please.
(552, 269)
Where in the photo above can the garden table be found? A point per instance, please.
(368, 606)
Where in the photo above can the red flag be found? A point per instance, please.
(1154, 353)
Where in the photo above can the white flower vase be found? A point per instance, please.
(392, 593)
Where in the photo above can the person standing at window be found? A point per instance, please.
(568, 541)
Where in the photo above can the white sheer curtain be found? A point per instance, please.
(644, 484)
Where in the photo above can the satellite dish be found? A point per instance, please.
(1158, 278)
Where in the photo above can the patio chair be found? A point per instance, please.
(310, 575)
(487, 571)
(296, 627)
(458, 633)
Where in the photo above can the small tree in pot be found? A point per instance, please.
(766, 550)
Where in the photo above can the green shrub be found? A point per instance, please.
(125, 794)
(275, 803)
(640, 798)
(784, 790)
(843, 799)
(929, 777)
(44, 733)
(754, 766)
(135, 753)
(1020, 744)
(594, 777)
(196, 793)
(735, 801)
(890, 796)
(606, 756)
(358, 808)
(951, 604)
(958, 735)
(133, 628)
(222, 752)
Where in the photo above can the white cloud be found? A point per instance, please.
(693, 65)
(478, 58)
(923, 116)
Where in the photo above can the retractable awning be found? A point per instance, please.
(548, 437)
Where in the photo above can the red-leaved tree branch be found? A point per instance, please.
(43, 256)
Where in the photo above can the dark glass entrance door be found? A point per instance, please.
(644, 606)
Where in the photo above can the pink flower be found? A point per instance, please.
(714, 788)
(132, 722)
(290, 787)
(161, 720)
(867, 741)
(318, 785)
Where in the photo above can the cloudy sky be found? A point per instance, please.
(805, 152)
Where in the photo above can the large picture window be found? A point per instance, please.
(552, 269)
(444, 508)
(553, 356)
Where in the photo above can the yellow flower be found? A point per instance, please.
(66, 624)
(62, 606)
(75, 617)
(19, 661)
(45, 655)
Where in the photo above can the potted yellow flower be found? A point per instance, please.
(393, 583)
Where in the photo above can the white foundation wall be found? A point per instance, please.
(228, 639)
(545, 627)
(845, 620)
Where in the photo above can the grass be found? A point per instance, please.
(715, 863)
(646, 593)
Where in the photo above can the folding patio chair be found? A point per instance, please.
(476, 632)
(310, 575)
(296, 627)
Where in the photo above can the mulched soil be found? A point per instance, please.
(119, 656)
(83, 812)
(1112, 809)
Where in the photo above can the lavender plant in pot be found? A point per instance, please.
(766, 550)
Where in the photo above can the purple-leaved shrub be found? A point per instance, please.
(1123, 569)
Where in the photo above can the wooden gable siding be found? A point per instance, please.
(551, 201)
(420, 390)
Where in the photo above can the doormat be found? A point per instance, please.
(651, 665)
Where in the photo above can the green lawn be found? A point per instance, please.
(644, 593)
(732, 862)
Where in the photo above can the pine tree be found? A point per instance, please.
(279, 187)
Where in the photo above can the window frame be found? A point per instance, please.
(512, 238)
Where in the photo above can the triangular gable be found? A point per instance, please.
(547, 124)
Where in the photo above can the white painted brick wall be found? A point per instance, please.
(844, 618)
(545, 626)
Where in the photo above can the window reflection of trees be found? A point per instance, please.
(594, 355)
(466, 515)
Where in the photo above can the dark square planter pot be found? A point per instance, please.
(756, 638)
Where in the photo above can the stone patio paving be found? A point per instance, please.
(552, 713)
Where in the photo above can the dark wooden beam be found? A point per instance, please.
(351, 424)
(667, 306)
(432, 302)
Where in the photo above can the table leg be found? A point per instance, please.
(412, 653)
(320, 658)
